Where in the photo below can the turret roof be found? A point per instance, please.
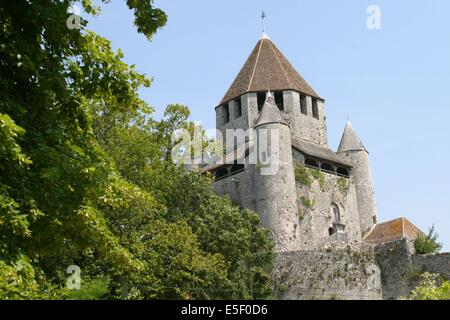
(350, 140)
(267, 69)
(270, 112)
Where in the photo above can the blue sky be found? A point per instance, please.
(393, 83)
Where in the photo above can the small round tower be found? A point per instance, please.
(276, 199)
(352, 149)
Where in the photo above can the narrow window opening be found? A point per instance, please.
(238, 108)
(330, 231)
(303, 105)
(315, 108)
(261, 97)
(226, 114)
(279, 100)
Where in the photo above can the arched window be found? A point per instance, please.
(335, 220)
(311, 163)
(336, 213)
(327, 167)
(342, 172)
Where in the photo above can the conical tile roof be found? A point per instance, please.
(267, 69)
(350, 140)
(270, 113)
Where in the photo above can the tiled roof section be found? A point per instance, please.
(318, 151)
(392, 230)
(241, 152)
(267, 69)
(306, 147)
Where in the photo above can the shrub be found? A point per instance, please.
(319, 176)
(302, 175)
(431, 287)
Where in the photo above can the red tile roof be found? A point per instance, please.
(392, 230)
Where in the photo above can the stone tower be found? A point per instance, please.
(275, 170)
(352, 148)
(318, 196)
(267, 69)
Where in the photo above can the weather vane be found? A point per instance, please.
(263, 16)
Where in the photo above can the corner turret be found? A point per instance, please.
(352, 149)
(276, 199)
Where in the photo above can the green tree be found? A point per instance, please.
(220, 226)
(85, 177)
(227, 229)
(172, 262)
(53, 171)
(427, 243)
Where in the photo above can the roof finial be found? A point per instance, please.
(263, 16)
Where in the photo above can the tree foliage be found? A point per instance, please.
(86, 178)
(221, 228)
(427, 243)
(431, 287)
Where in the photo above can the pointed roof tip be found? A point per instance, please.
(349, 126)
(267, 67)
(270, 112)
(265, 36)
(350, 140)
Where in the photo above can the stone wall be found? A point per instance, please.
(394, 260)
(249, 114)
(240, 188)
(305, 126)
(400, 267)
(315, 201)
(435, 263)
(356, 271)
(332, 272)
